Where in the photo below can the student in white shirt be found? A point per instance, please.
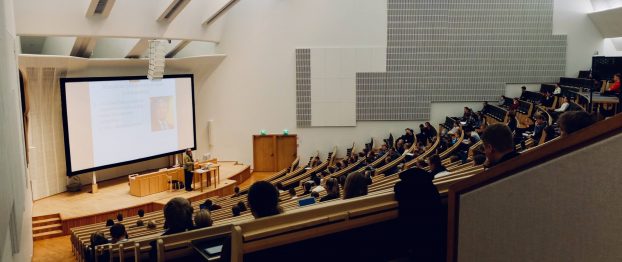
(564, 106)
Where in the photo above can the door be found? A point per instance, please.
(264, 153)
(287, 148)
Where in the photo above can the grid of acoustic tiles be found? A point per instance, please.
(459, 50)
(303, 87)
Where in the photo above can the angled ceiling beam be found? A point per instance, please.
(139, 48)
(173, 10)
(177, 48)
(83, 47)
(100, 8)
(220, 12)
(607, 22)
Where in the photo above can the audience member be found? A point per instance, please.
(203, 219)
(355, 186)
(408, 137)
(315, 195)
(235, 210)
(547, 99)
(332, 190)
(318, 185)
(120, 217)
(573, 121)
(436, 167)
(236, 191)
(539, 127)
(241, 206)
(210, 206)
(141, 213)
(498, 144)
(280, 187)
(515, 104)
(431, 131)
(98, 238)
(118, 233)
(479, 159)
(177, 216)
(292, 193)
(109, 222)
(421, 216)
(263, 199)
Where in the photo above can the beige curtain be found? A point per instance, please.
(45, 132)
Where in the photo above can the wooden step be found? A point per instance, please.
(47, 228)
(45, 222)
(49, 234)
(45, 217)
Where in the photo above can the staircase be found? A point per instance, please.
(47, 226)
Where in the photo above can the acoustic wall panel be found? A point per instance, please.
(458, 50)
(303, 87)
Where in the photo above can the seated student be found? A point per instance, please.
(177, 216)
(318, 185)
(515, 104)
(422, 135)
(512, 122)
(573, 121)
(408, 137)
(118, 233)
(120, 217)
(431, 131)
(315, 195)
(422, 218)
(406, 147)
(241, 206)
(98, 238)
(141, 213)
(280, 187)
(498, 144)
(392, 153)
(263, 200)
(454, 129)
(615, 88)
(523, 89)
(547, 100)
(436, 167)
(307, 188)
(479, 159)
(383, 150)
(210, 206)
(558, 90)
(565, 105)
(421, 164)
(202, 219)
(236, 191)
(399, 146)
(235, 210)
(292, 193)
(502, 101)
(539, 127)
(355, 186)
(332, 190)
(391, 170)
(109, 222)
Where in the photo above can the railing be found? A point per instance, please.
(551, 150)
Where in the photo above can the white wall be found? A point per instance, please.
(14, 191)
(584, 39)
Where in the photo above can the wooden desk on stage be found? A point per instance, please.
(212, 173)
(155, 182)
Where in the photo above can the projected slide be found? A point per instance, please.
(111, 122)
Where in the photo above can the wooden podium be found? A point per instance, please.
(155, 182)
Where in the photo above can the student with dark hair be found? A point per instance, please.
(315, 195)
(540, 125)
(421, 216)
(436, 167)
(202, 219)
(479, 159)
(355, 186)
(235, 210)
(109, 222)
(408, 136)
(515, 104)
(342, 180)
(573, 121)
(280, 187)
(498, 144)
(512, 121)
(547, 100)
(241, 206)
(332, 190)
(292, 193)
(210, 206)
(177, 216)
(263, 199)
(307, 188)
(118, 233)
(563, 108)
(317, 185)
(141, 213)
(98, 238)
(615, 88)
(236, 192)
(523, 89)
(431, 131)
(120, 217)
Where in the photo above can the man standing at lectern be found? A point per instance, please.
(188, 169)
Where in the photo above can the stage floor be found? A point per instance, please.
(115, 194)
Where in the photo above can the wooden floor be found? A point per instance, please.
(59, 249)
(114, 194)
(256, 176)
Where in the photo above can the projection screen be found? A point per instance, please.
(112, 121)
